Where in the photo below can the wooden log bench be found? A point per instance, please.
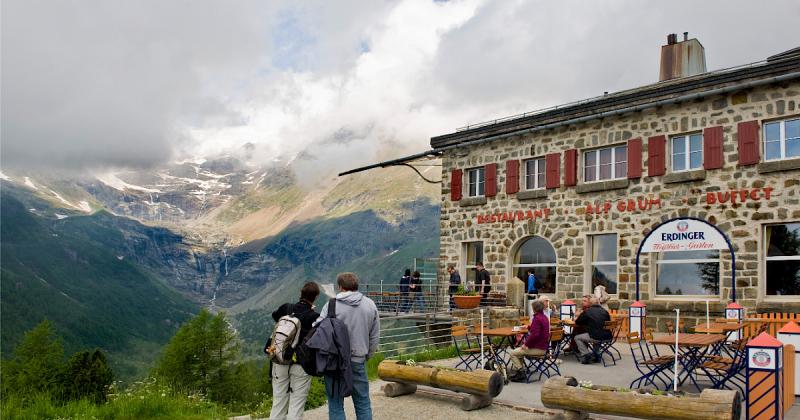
(577, 402)
(480, 385)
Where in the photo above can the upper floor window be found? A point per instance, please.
(687, 152)
(603, 164)
(476, 179)
(534, 174)
(782, 139)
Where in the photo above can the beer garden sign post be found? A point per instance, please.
(682, 234)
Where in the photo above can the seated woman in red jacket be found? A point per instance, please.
(535, 345)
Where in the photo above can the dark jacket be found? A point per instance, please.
(594, 319)
(331, 341)
(417, 282)
(484, 279)
(455, 280)
(303, 311)
(404, 282)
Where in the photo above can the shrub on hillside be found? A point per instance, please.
(87, 375)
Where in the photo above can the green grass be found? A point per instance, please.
(439, 353)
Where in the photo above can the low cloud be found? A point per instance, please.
(338, 84)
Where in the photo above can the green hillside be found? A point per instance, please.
(63, 270)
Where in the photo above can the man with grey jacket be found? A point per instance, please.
(360, 315)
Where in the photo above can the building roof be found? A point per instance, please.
(779, 64)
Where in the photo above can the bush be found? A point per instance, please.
(87, 375)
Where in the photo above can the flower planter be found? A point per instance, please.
(467, 302)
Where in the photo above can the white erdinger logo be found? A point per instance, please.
(683, 226)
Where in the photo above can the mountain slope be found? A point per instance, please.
(57, 269)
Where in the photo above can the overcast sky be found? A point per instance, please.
(95, 84)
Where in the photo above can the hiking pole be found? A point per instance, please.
(481, 337)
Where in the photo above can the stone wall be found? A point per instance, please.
(568, 222)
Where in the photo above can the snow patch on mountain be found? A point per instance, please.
(113, 181)
(30, 184)
(4, 177)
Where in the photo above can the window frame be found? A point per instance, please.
(591, 263)
(763, 259)
(538, 162)
(781, 140)
(614, 163)
(515, 267)
(656, 261)
(687, 152)
(469, 265)
(479, 182)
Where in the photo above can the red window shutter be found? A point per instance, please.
(455, 184)
(635, 158)
(552, 170)
(712, 147)
(512, 176)
(748, 143)
(656, 156)
(491, 180)
(571, 167)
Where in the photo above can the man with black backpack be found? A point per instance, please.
(359, 315)
(290, 383)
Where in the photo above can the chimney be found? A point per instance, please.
(681, 59)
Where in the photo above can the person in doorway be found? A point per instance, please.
(484, 282)
(290, 383)
(405, 283)
(532, 283)
(416, 291)
(455, 281)
(535, 344)
(594, 319)
(360, 315)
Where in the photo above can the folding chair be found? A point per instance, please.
(466, 351)
(603, 347)
(650, 367)
(725, 372)
(546, 364)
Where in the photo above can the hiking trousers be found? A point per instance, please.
(290, 385)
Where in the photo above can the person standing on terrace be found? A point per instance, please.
(455, 281)
(484, 282)
(416, 289)
(405, 281)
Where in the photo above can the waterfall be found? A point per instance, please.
(225, 253)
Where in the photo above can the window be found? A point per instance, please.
(688, 273)
(604, 261)
(783, 259)
(534, 174)
(473, 251)
(782, 139)
(603, 164)
(475, 182)
(538, 255)
(687, 152)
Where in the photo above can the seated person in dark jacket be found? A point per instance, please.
(290, 383)
(594, 319)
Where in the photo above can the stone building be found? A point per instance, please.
(570, 192)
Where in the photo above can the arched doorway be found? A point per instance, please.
(536, 254)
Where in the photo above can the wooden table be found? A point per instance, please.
(693, 348)
(718, 328)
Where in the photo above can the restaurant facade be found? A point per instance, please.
(571, 192)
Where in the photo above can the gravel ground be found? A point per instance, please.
(423, 405)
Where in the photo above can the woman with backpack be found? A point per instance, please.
(290, 383)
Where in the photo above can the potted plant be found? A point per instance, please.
(466, 299)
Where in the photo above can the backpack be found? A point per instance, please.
(307, 356)
(282, 343)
